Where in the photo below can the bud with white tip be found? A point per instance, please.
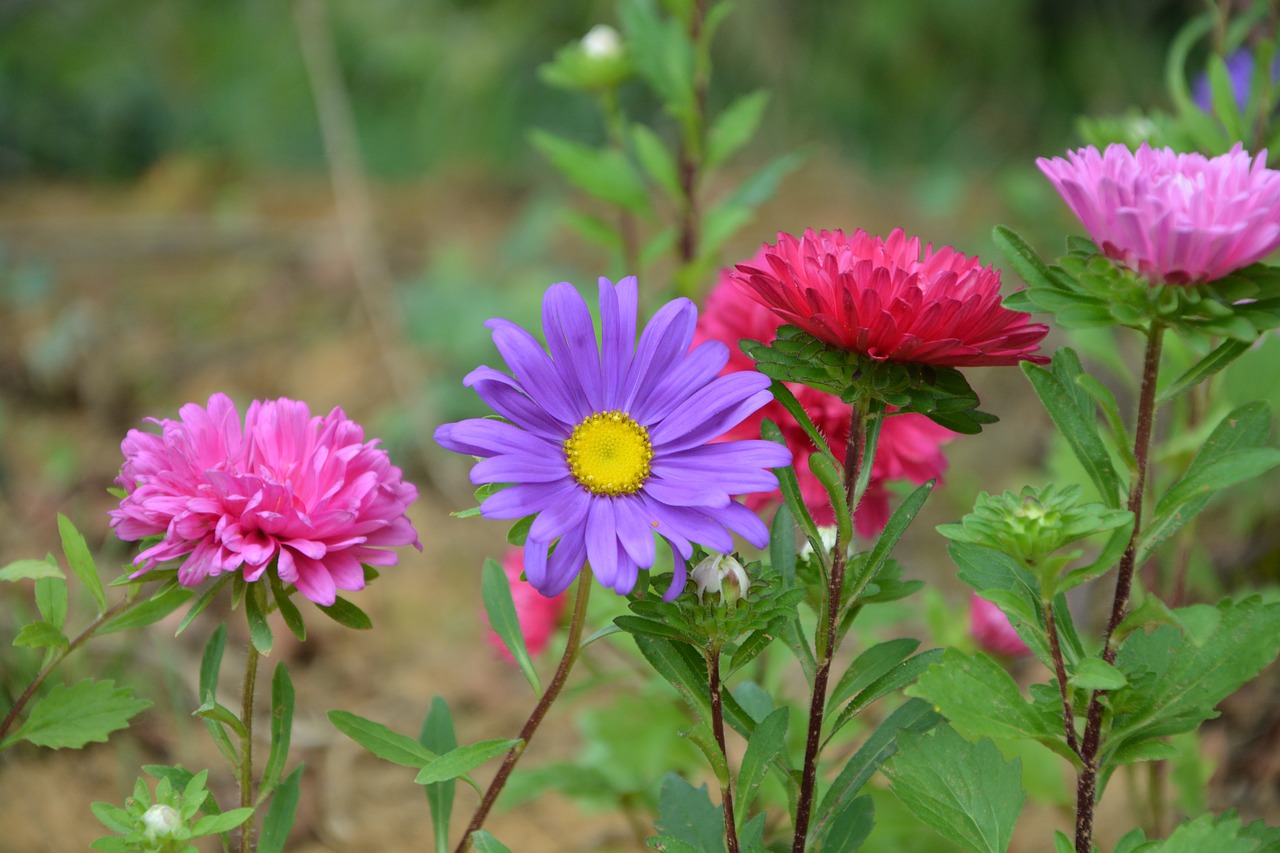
(161, 822)
(723, 575)
(602, 42)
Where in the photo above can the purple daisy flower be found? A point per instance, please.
(610, 443)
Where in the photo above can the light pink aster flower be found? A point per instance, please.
(910, 445)
(538, 614)
(990, 627)
(891, 300)
(305, 496)
(1172, 218)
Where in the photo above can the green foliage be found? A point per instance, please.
(382, 741)
(460, 761)
(438, 736)
(167, 823)
(495, 593)
(69, 716)
(280, 814)
(965, 791)
(687, 821)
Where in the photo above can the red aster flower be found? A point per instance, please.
(909, 447)
(887, 300)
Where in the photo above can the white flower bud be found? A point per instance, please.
(723, 575)
(161, 821)
(602, 42)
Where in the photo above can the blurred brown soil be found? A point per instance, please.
(161, 293)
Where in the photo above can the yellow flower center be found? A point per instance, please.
(609, 454)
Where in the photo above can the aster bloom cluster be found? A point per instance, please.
(890, 300)
(305, 496)
(610, 443)
(1172, 218)
(909, 448)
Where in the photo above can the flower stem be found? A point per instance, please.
(539, 711)
(1060, 670)
(690, 159)
(827, 638)
(122, 606)
(244, 773)
(1087, 779)
(717, 728)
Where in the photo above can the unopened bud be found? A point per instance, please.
(723, 575)
(161, 822)
(602, 42)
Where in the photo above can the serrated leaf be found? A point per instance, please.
(214, 824)
(604, 173)
(965, 791)
(495, 592)
(438, 736)
(685, 813)
(1221, 834)
(764, 746)
(81, 561)
(279, 820)
(734, 127)
(164, 601)
(462, 760)
(381, 741)
(40, 635)
(347, 614)
(84, 712)
(30, 570)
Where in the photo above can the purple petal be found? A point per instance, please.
(526, 499)
(522, 468)
(536, 373)
(561, 516)
(617, 335)
(565, 563)
(665, 339)
(602, 541)
(505, 396)
(489, 437)
(678, 576)
(635, 529)
(672, 388)
(571, 337)
(686, 492)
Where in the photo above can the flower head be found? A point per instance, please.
(1172, 218)
(909, 447)
(307, 496)
(537, 613)
(611, 443)
(991, 629)
(889, 301)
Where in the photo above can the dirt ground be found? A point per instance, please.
(125, 302)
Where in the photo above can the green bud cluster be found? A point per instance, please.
(165, 822)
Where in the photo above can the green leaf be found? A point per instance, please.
(112, 817)
(902, 674)
(345, 613)
(981, 699)
(965, 791)
(656, 160)
(81, 561)
(204, 601)
(495, 592)
(1072, 413)
(662, 54)
(1225, 353)
(681, 670)
(1093, 673)
(870, 665)
(1221, 834)
(483, 842)
(282, 702)
(211, 662)
(760, 185)
(790, 488)
(782, 545)
(462, 760)
(685, 813)
(164, 601)
(217, 823)
(849, 828)
(764, 746)
(112, 844)
(40, 635)
(216, 712)
(604, 173)
(382, 741)
(84, 712)
(279, 820)
(899, 521)
(1023, 258)
(255, 602)
(30, 570)
(1220, 473)
(438, 736)
(734, 127)
(914, 715)
(1176, 683)
(1147, 750)
(288, 610)
(1245, 428)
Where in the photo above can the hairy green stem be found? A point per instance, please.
(539, 711)
(244, 773)
(1087, 779)
(828, 633)
(122, 606)
(717, 728)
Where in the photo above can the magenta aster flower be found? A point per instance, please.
(909, 447)
(991, 629)
(307, 496)
(609, 444)
(1172, 218)
(536, 613)
(889, 301)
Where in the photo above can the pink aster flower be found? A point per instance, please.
(1172, 218)
(537, 613)
(909, 447)
(890, 301)
(305, 496)
(990, 627)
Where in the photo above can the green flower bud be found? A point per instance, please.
(596, 63)
(161, 822)
(723, 575)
